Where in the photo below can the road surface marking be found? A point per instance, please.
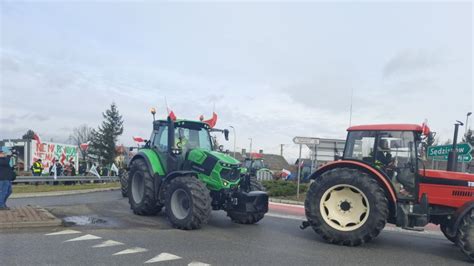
(84, 237)
(287, 205)
(108, 243)
(131, 251)
(284, 216)
(197, 263)
(163, 257)
(64, 232)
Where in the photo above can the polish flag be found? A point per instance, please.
(84, 146)
(138, 139)
(172, 116)
(37, 138)
(213, 121)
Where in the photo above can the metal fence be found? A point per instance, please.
(85, 179)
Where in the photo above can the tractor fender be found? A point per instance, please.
(168, 178)
(459, 215)
(152, 161)
(379, 176)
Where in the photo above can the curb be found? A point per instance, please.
(292, 202)
(59, 193)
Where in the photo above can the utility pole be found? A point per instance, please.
(235, 139)
(350, 111)
(281, 150)
(250, 150)
(463, 165)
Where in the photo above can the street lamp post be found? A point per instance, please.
(250, 150)
(463, 165)
(235, 137)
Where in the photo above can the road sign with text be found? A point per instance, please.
(443, 150)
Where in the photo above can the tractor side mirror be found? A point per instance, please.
(226, 134)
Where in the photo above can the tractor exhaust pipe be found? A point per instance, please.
(171, 160)
(453, 155)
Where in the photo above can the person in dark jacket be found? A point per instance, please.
(7, 175)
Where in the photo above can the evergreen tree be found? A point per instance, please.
(104, 139)
(28, 135)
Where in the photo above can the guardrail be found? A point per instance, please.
(26, 179)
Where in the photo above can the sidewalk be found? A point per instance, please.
(27, 216)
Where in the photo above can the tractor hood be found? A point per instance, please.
(224, 158)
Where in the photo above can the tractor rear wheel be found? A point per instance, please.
(188, 203)
(141, 190)
(445, 233)
(248, 218)
(346, 207)
(465, 235)
(124, 183)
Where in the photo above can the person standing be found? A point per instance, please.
(7, 175)
(37, 168)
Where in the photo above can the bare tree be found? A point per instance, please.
(81, 134)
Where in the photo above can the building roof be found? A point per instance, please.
(388, 127)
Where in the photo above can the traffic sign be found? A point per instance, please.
(443, 150)
(462, 158)
(306, 140)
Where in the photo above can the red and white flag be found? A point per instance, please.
(138, 139)
(84, 146)
(37, 137)
(213, 121)
(172, 116)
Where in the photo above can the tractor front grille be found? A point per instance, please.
(461, 193)
(230, 174)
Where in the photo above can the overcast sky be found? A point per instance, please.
(272, 70)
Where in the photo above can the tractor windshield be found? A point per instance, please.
(191, 138)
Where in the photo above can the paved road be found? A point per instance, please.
(274, 240)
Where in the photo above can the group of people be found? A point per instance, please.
(68, 169)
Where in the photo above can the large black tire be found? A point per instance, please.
(445, 233)
(248, 218)
(345, 186)
(465, 235)
(141, 190)
(188, 203)
(124, 183)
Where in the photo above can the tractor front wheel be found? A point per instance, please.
(346, 207)
(444, 229)
(188, 203)
(248, 218)
(141, 190)
(465, 235)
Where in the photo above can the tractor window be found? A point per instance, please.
(396, 157)
(190, 138)
(161, 139)
(360, 146)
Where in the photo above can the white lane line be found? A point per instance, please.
(284, 216)
(131, 251)
(197, 263)
(108, 243)
(287, 205)
(64, 232)
(84, 237)
(163, 257)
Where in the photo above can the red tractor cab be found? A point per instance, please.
(382, 178)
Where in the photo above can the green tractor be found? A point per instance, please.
(179, 169)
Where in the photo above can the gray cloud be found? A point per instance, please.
(410, 61)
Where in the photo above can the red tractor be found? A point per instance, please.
(382, 178)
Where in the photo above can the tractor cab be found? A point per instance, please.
(391, 149)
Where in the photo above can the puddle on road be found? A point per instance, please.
(83, 220)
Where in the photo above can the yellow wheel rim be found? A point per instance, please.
(344, 207)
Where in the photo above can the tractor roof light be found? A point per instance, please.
(153, 111)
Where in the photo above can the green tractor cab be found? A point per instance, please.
(179, 169)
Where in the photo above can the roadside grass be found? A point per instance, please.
(22, 188)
